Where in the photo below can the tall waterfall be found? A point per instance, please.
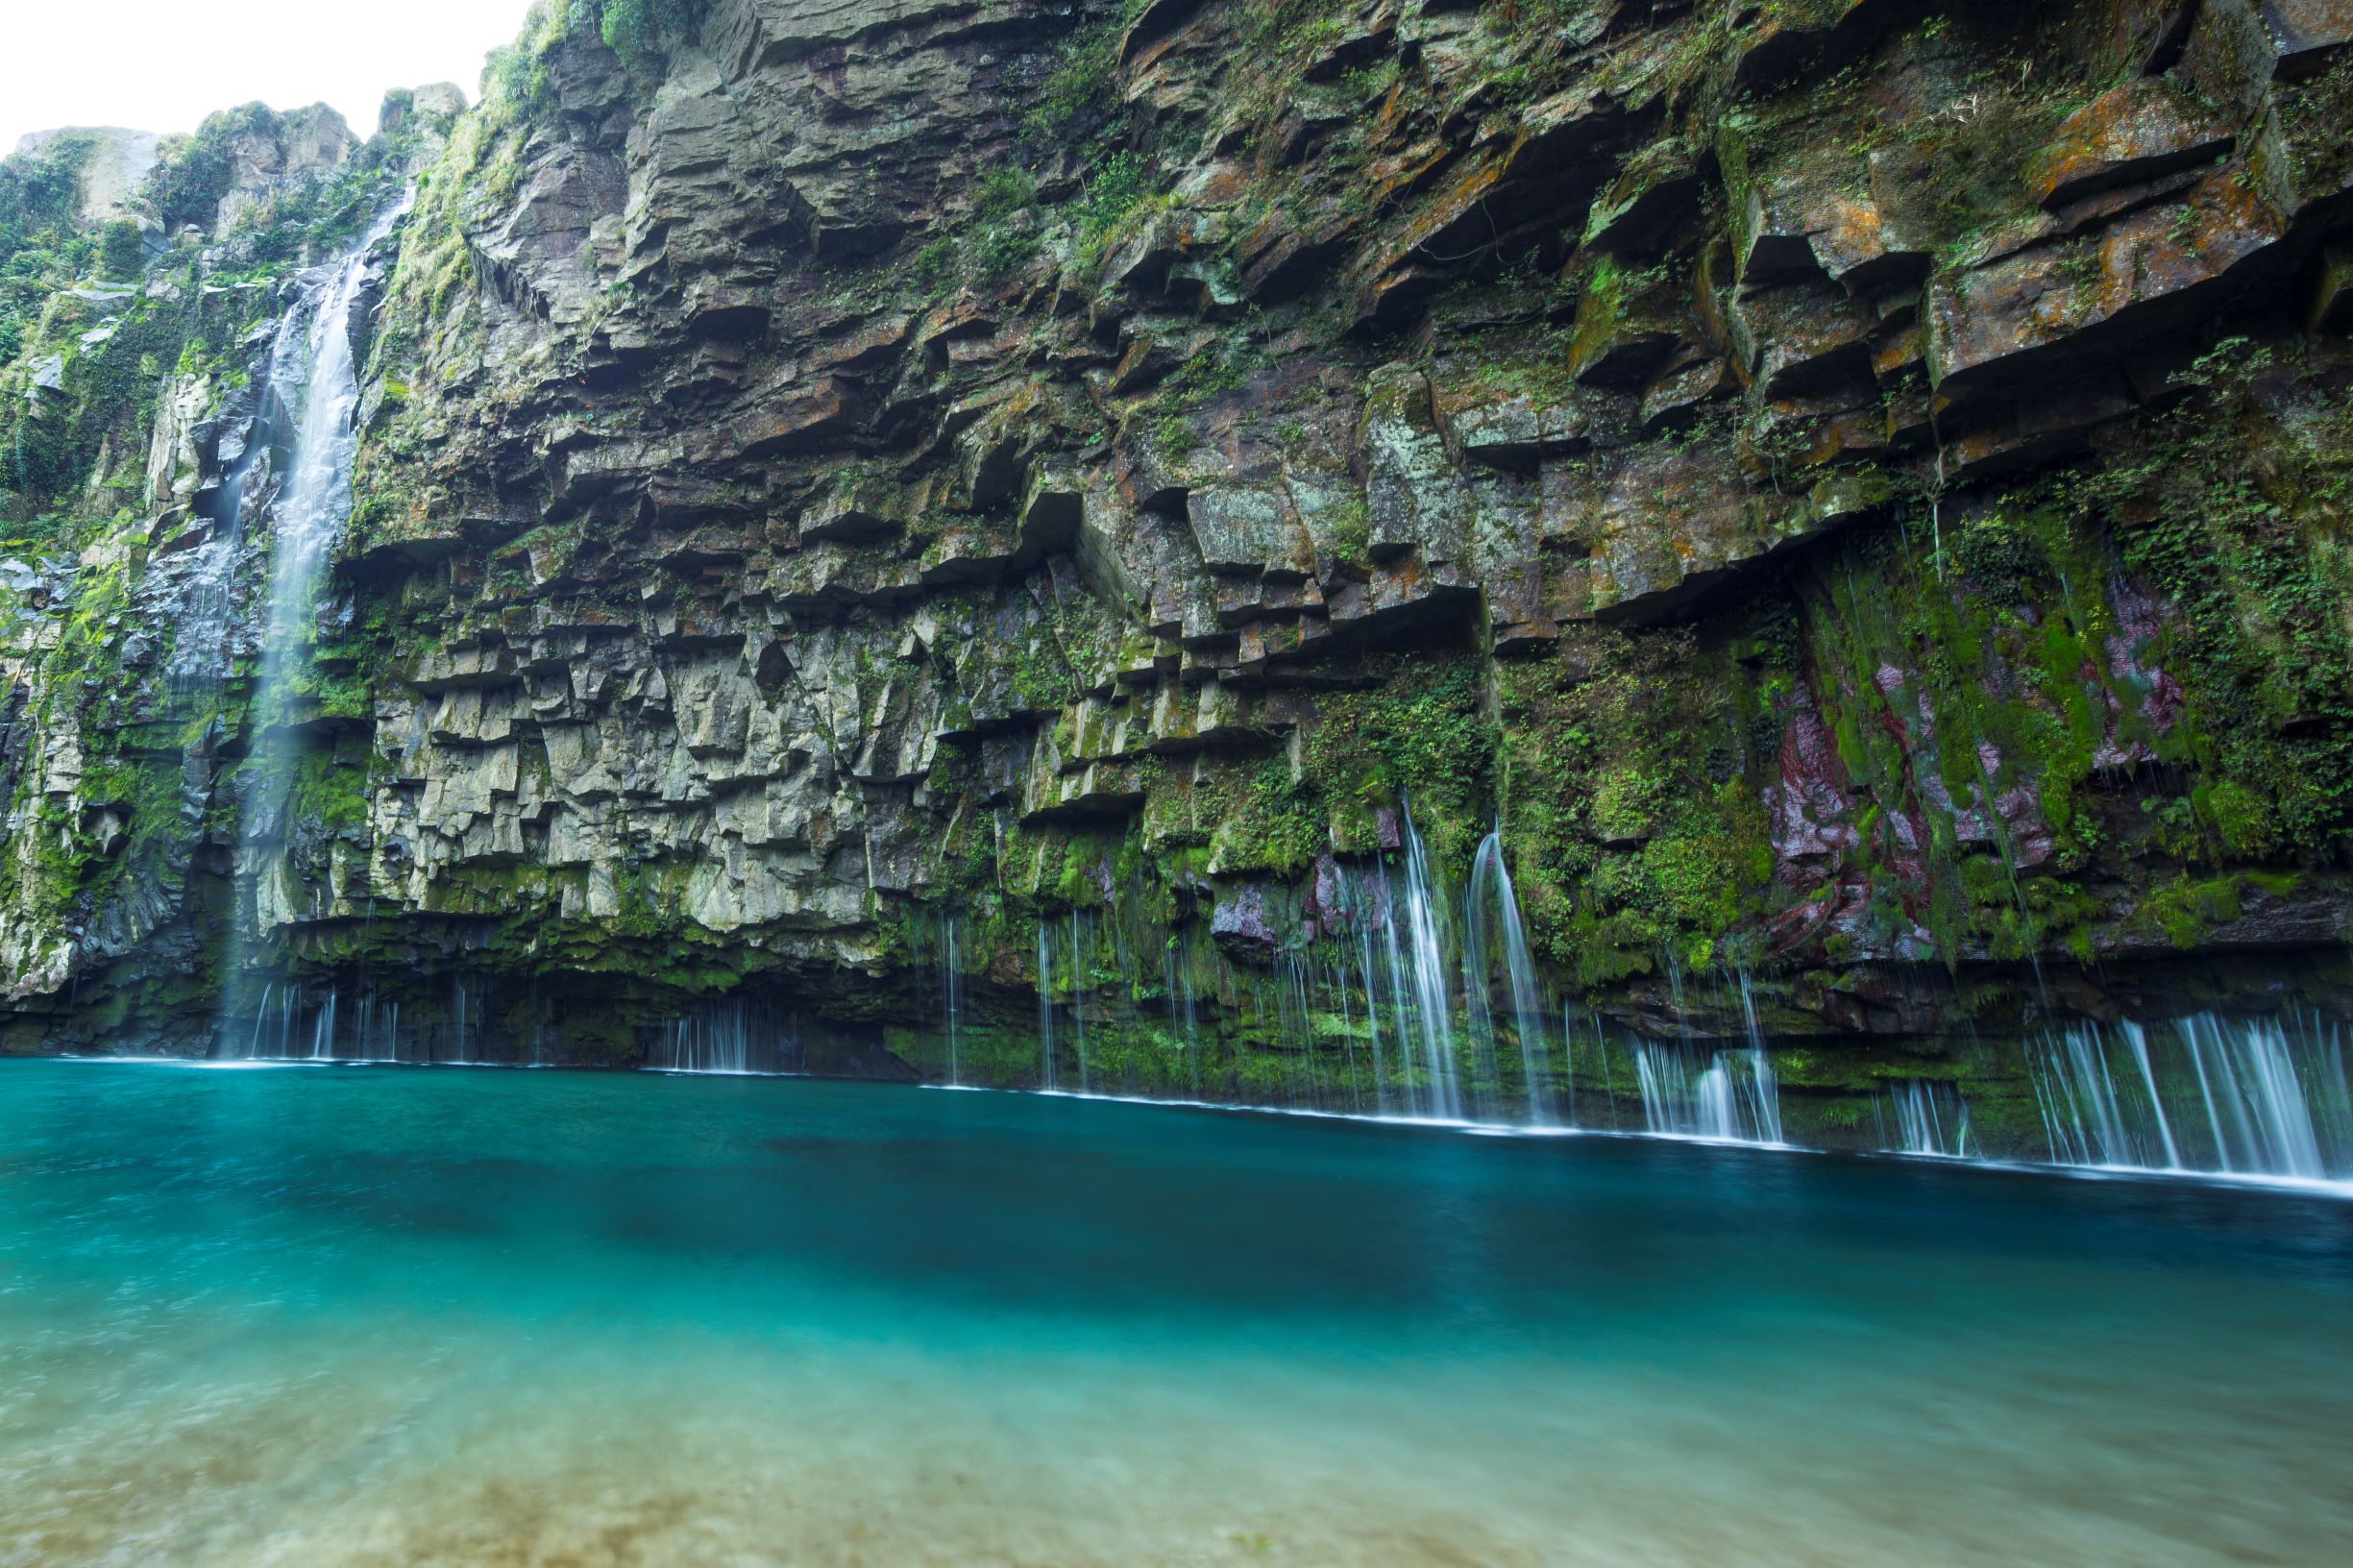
(2261, 1097)
(201, 641)
(310, 405)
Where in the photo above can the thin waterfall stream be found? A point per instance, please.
(1491, 893)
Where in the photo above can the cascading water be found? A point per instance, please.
(465, 1026)
(1082, 942)
(273, 1029)
(2136, 1041)
(1921, 1116)
(201, 640)
(2255, 1100)
(1432, 1011)
(288, 1025)
(312, 412)
(731, 1039)
(1491, 896)
(951, 998)
(1727, 1096)
(1045, 1007)
(1763, 1089)
(2251, 1097)
(2083, 1119)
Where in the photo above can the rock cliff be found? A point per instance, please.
(1855, 495)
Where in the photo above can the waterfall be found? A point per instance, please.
(378, 1031)
(316, 408)
(323, 1030)
(2136, 1039)
(1177, 991)
(1369, 1015)
(201, 641)
(1727, 1096)
(1363, 1016)
(1491, 896)
(1384, 944)
(464, 1041)
(1568, 1060)
(1930, 1117)
(1431, 1014)
(2209, 1094)
(730, 1038)
(1610, 1087)
(1383, 1102)
(1045, 1003)
(1081, 944)
(287, 1027)
(2255, 1101)
(317, 502)
(1763, 1091)
(2083, 1120)
(273, 1033)
(951, 998)
(1183, 1004)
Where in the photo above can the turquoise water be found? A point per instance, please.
(334, 1316)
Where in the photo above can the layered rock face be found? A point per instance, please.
(1853, 494)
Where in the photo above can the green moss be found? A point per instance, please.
(1633, 796)
(2232, 507)
(2185, 911)
(331, 793)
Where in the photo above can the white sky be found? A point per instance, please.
(164, 64)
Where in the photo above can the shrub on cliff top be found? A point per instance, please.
(635, 28)
(637, 31)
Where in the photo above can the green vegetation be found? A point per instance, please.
(1076, 99)
(635, 29)
(194, 172)
(2234, 507)
(1118, 191)
(1422, 742)
(42, 247)
(515, 77)
(121, 254)
(1633, 793)
(40, 196)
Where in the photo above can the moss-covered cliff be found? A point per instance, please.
(1857, 493)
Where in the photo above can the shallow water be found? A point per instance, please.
(334, 1316)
